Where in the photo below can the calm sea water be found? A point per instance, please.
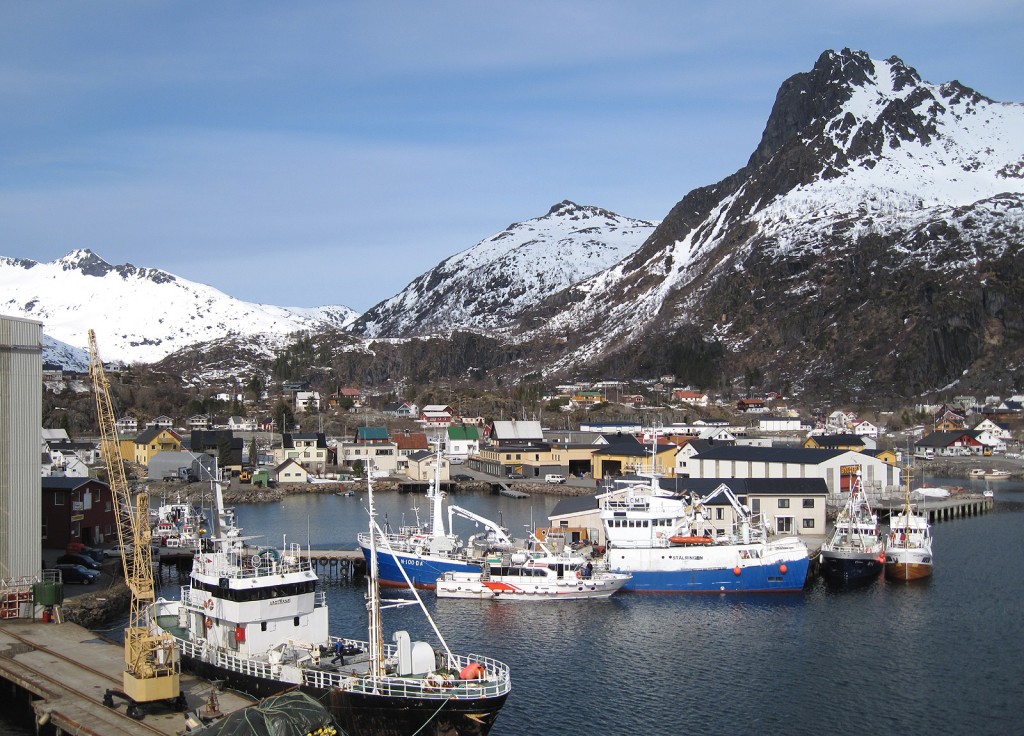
(942, 657)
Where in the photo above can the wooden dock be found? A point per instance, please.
(62, 671)
(942, 509)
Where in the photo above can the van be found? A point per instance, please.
(554, 478)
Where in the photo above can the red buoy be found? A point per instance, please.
(737, 570)
(783, 569)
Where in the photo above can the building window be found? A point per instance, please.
(755, 505)
(44, 527)
(58, 498)
(808, 503)
(719, 514)
(783, 503)
(808, 523)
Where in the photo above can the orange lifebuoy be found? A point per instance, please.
(209, 622)
(209, 604)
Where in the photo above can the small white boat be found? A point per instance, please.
(996, 474)
(522, 577)
(977, 473)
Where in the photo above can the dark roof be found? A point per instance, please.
(289, 438)
(630, 449)
(150, 434)
(946, 438)
(420, 455)
(65, 483)
(575, 505)
(619, 438)
(795, 455)
(758, 486)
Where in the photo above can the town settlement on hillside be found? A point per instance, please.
(788, 479)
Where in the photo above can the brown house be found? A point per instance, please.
(77, 510)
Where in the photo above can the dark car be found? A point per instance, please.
(83, 560)
(76, 573)
(516, 476)
(462, 476)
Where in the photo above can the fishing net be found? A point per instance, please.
(290, 714)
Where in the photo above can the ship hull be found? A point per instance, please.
(908, 564)
(851, 567)
(698, 571)
(360, 714)
(423, 570)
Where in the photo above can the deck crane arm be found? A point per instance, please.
(151, 671)
(500, 535)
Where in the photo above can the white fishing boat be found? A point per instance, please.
(254, 619)
(996, 474)
(540, 576)
(908, 551)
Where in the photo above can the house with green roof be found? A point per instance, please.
(462, 442)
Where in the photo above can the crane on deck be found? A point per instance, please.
(152, 672)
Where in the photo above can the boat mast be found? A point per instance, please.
(376, 633)
(437, 498)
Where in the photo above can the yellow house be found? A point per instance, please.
(152, 441)
(632, 457)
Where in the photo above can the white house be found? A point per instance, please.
(999, 431)
(306, 400)
(242, 424)
(127, 426)
(291, 472)
(864, 428)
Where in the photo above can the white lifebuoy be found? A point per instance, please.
(256, 561)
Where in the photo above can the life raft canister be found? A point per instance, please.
(473, 671)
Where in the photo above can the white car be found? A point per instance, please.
(554, 478)
(116, 551)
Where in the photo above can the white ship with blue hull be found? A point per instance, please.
(667, 542)
(426, 553)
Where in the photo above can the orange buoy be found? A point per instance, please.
(783, 569)
(209, 622)
(736, 570)
(473, 671)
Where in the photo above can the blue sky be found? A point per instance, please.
(316, 153)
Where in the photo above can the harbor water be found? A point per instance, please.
(942, 656)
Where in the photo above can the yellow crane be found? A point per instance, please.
(152, 672)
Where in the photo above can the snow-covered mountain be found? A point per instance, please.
(139, 314)
(873, 237)
(488, 286)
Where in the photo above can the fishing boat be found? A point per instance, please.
(541, 576)
(254, 619)
(178, 526)
(908, 552)
(977, 473)
(996, 474)
(666, 542)
(854, 550)
(423, 553)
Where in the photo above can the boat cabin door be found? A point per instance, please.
(560, 571)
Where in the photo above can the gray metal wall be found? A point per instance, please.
(21, 397)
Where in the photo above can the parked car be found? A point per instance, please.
(83, 560)
(462, 476)
(554, 478)
(516, 476)
(77, 548)
(77, 573)
(116, 551)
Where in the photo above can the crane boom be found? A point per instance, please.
(151, 669)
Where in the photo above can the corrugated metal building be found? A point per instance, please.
(21, 398)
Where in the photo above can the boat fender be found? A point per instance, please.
(209, 604)
(783, 569)
(209, 622)
(736, 570)
(473, 671)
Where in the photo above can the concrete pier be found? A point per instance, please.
(65, 670)
(942, 509)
